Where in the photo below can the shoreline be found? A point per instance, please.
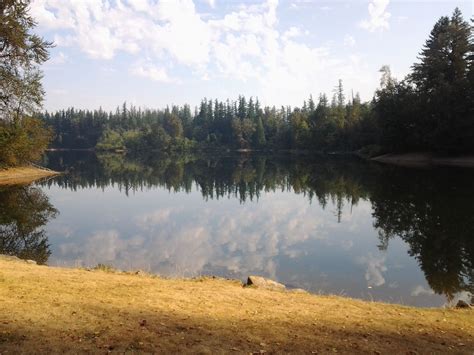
(50, 309)
(24, 175)
(414, 159)
(425, 160)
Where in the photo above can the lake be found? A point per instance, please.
(328, 224)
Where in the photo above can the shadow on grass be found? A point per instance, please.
(109, 328)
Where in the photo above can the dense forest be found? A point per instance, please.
(240, 124)
(432, 109)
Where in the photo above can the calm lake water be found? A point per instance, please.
(326, 224)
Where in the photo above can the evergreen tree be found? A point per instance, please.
(21, 53)
(442, 80)
(21, 93)
(260, 133)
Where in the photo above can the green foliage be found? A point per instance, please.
(157, 139)
(173, 125)
(23, 142)
(398, 115)
(104, 268)
(260, 140)
(111, 140)
(432, 109)
(300, 133)
(21, 53)
(235, 125)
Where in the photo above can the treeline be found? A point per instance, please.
(432, 109)
(240, 124)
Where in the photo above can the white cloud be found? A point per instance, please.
(151, 71)
(420, 290)
(292, 32)
(347, 244)
(375, 269)
(58, 59)
(378, 16)
(153, 218)
(252, 242)
(211, 3)
(349, 41)
(139, 5)
(244, 44)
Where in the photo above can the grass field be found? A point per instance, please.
(54, 310)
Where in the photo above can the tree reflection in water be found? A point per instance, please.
(24, 212)
(432, 210)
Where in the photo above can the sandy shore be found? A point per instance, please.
(24, 175)
(57, 310)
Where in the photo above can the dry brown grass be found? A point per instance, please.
(54, 310)
(23, 175)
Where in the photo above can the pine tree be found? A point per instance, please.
(311, 105)
(22, 138)
(260, 133)
(252, 113)
(21, 53)
(442, 81)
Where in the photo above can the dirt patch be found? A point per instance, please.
(24, 175)
(55, 310)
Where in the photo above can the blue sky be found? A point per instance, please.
(153, 53)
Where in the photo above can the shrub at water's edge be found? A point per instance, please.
(23, 142)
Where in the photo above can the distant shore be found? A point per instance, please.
(24, 175)
(59, 310)
(71, 150)
(403, 159)
(425, 160)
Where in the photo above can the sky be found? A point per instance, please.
(153, 53)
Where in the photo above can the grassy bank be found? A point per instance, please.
(45, 309)
(23, 175)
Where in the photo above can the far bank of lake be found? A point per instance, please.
(426, 160)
